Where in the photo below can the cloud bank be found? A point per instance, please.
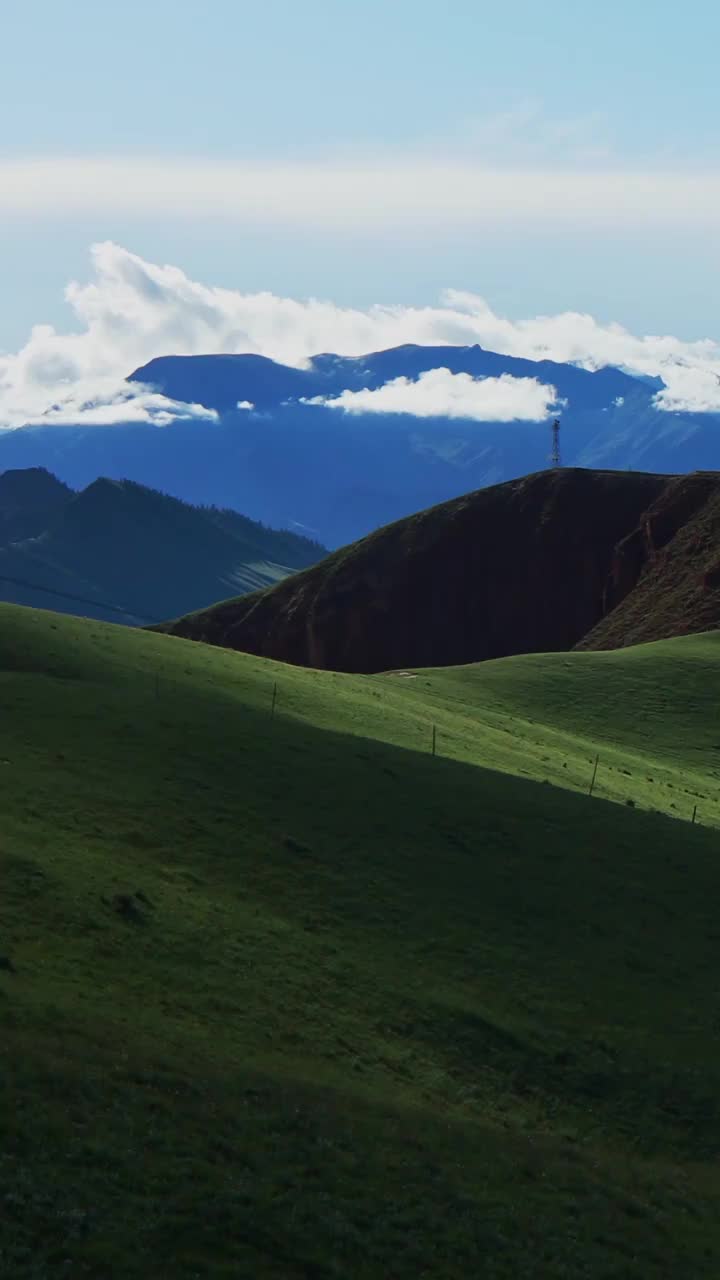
(438, 393)
(364, 193)
(132, 311)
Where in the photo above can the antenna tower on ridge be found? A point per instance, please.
(555, 459)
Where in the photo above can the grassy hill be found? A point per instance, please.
(560, 559)
(287, 996)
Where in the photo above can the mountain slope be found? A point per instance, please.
(28, 501)
(562, 559)
(118, 547)
(295, 464)
(287, 997)
(519, 567)
(672, 562)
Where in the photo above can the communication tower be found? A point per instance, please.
(555, 459)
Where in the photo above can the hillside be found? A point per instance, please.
(287, 997)
(671, 563)
(118, 548)
(517, 568)
(28, 501)
(560, 560)
(292, 462)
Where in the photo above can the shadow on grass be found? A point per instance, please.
(552, 951)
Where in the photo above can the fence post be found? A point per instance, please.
(694, 812)
(592, 780)
(274, 700)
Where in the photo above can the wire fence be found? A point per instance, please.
(434, 739)
(433, 728)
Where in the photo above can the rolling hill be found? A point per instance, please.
(118, 549)
(292, 462)
(558, 559)
(284, 995)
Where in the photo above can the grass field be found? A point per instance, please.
(285, 996)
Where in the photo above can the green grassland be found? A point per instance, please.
(285, 996)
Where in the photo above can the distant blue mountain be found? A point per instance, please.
(219, 382)
(337, 476)
(268, 384)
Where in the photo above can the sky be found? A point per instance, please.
(550, 160)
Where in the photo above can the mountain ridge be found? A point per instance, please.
(250, 377)
(272, 461)
(27, 499)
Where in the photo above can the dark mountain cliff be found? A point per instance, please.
(665, 577)
(527, 566)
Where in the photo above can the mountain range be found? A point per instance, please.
(338, 475)
(120, 551)
(561, 559)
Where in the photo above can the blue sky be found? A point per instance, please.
(227, 77)
(250, 144)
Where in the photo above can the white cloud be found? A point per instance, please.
(109, 404)
(364, 194)
(40, 387)
(438, 393)
(693, 388)
(132, 311)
